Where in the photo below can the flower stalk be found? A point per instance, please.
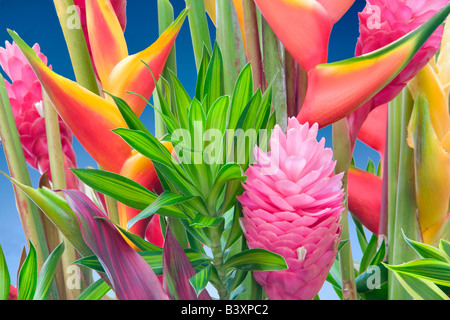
(342, 151)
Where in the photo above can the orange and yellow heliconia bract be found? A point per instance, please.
(92, 117)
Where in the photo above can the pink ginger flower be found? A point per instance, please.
(383, 22)
(25, 96)
(120, 8)
(292, 206)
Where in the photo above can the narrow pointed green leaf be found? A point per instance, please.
(183, 101)
(201, 221)
(256, 260)
(165, 199)
(235, 231)
(28, 276)
(95, 291)
(128, 115)
(47, 273)
(59, 212)
(445, 248)
(426, 269)
(420, 289)
(213, 85)
(425, 251)
(199, 88)
(200, 280)
(5, 280)
(242, 93)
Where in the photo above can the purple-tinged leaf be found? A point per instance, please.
(177, 270)
(131, 277)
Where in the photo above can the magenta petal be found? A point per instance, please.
(131, 277)
(178, 270)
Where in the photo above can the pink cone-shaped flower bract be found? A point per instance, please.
(292, 206)
(25, 95)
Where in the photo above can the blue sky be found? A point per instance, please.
(36, 21)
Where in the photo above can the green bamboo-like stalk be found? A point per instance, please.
(165, 18)
(76, 43)
(253, 46)
(198, 25)
(29, 213)
(342, 151)
(405, 219)
(229, 39)
(274, 71)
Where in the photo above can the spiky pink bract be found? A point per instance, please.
(292, 205)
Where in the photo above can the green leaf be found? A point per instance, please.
(95, 291)
(167, 198)
(372, 279)
(47, 273)
(200, 280)
(213, 86)
(199, 88)
(138, 241)
(128, 115)
(202, 221)
(426, 269)
(361, 235)
(5, 280)
(424, 250)
(28, 276)
(116, 186)
(420, 289)
(368, 254)
(236, 230)
(242, 93)
(256, 260)
(370, 166)
(379, 255)
(445, 248)
(182, 99)
(342, 243)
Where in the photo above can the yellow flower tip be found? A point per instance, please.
(435, 233)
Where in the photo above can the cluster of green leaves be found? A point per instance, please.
(199, 200)
(31, 285)
(427, 278)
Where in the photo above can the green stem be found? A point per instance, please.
(76, 43)
(253, 46)
(229, 39)
(29, 213)
(406, 209)
(198, 25)
(342, 153)
(274, 72)
(218, 260)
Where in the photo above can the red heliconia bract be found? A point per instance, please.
(292, 206)
(25, 96)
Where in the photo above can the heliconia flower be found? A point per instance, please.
(304, 26)
(118, 71)
(364, 197)
(443, 61)
(335, 90)
(25, 95)
(292, 205)
(373, 131)
(120, 9)
(432, 173)
(381, 23)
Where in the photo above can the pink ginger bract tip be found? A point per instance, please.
(292, 206)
